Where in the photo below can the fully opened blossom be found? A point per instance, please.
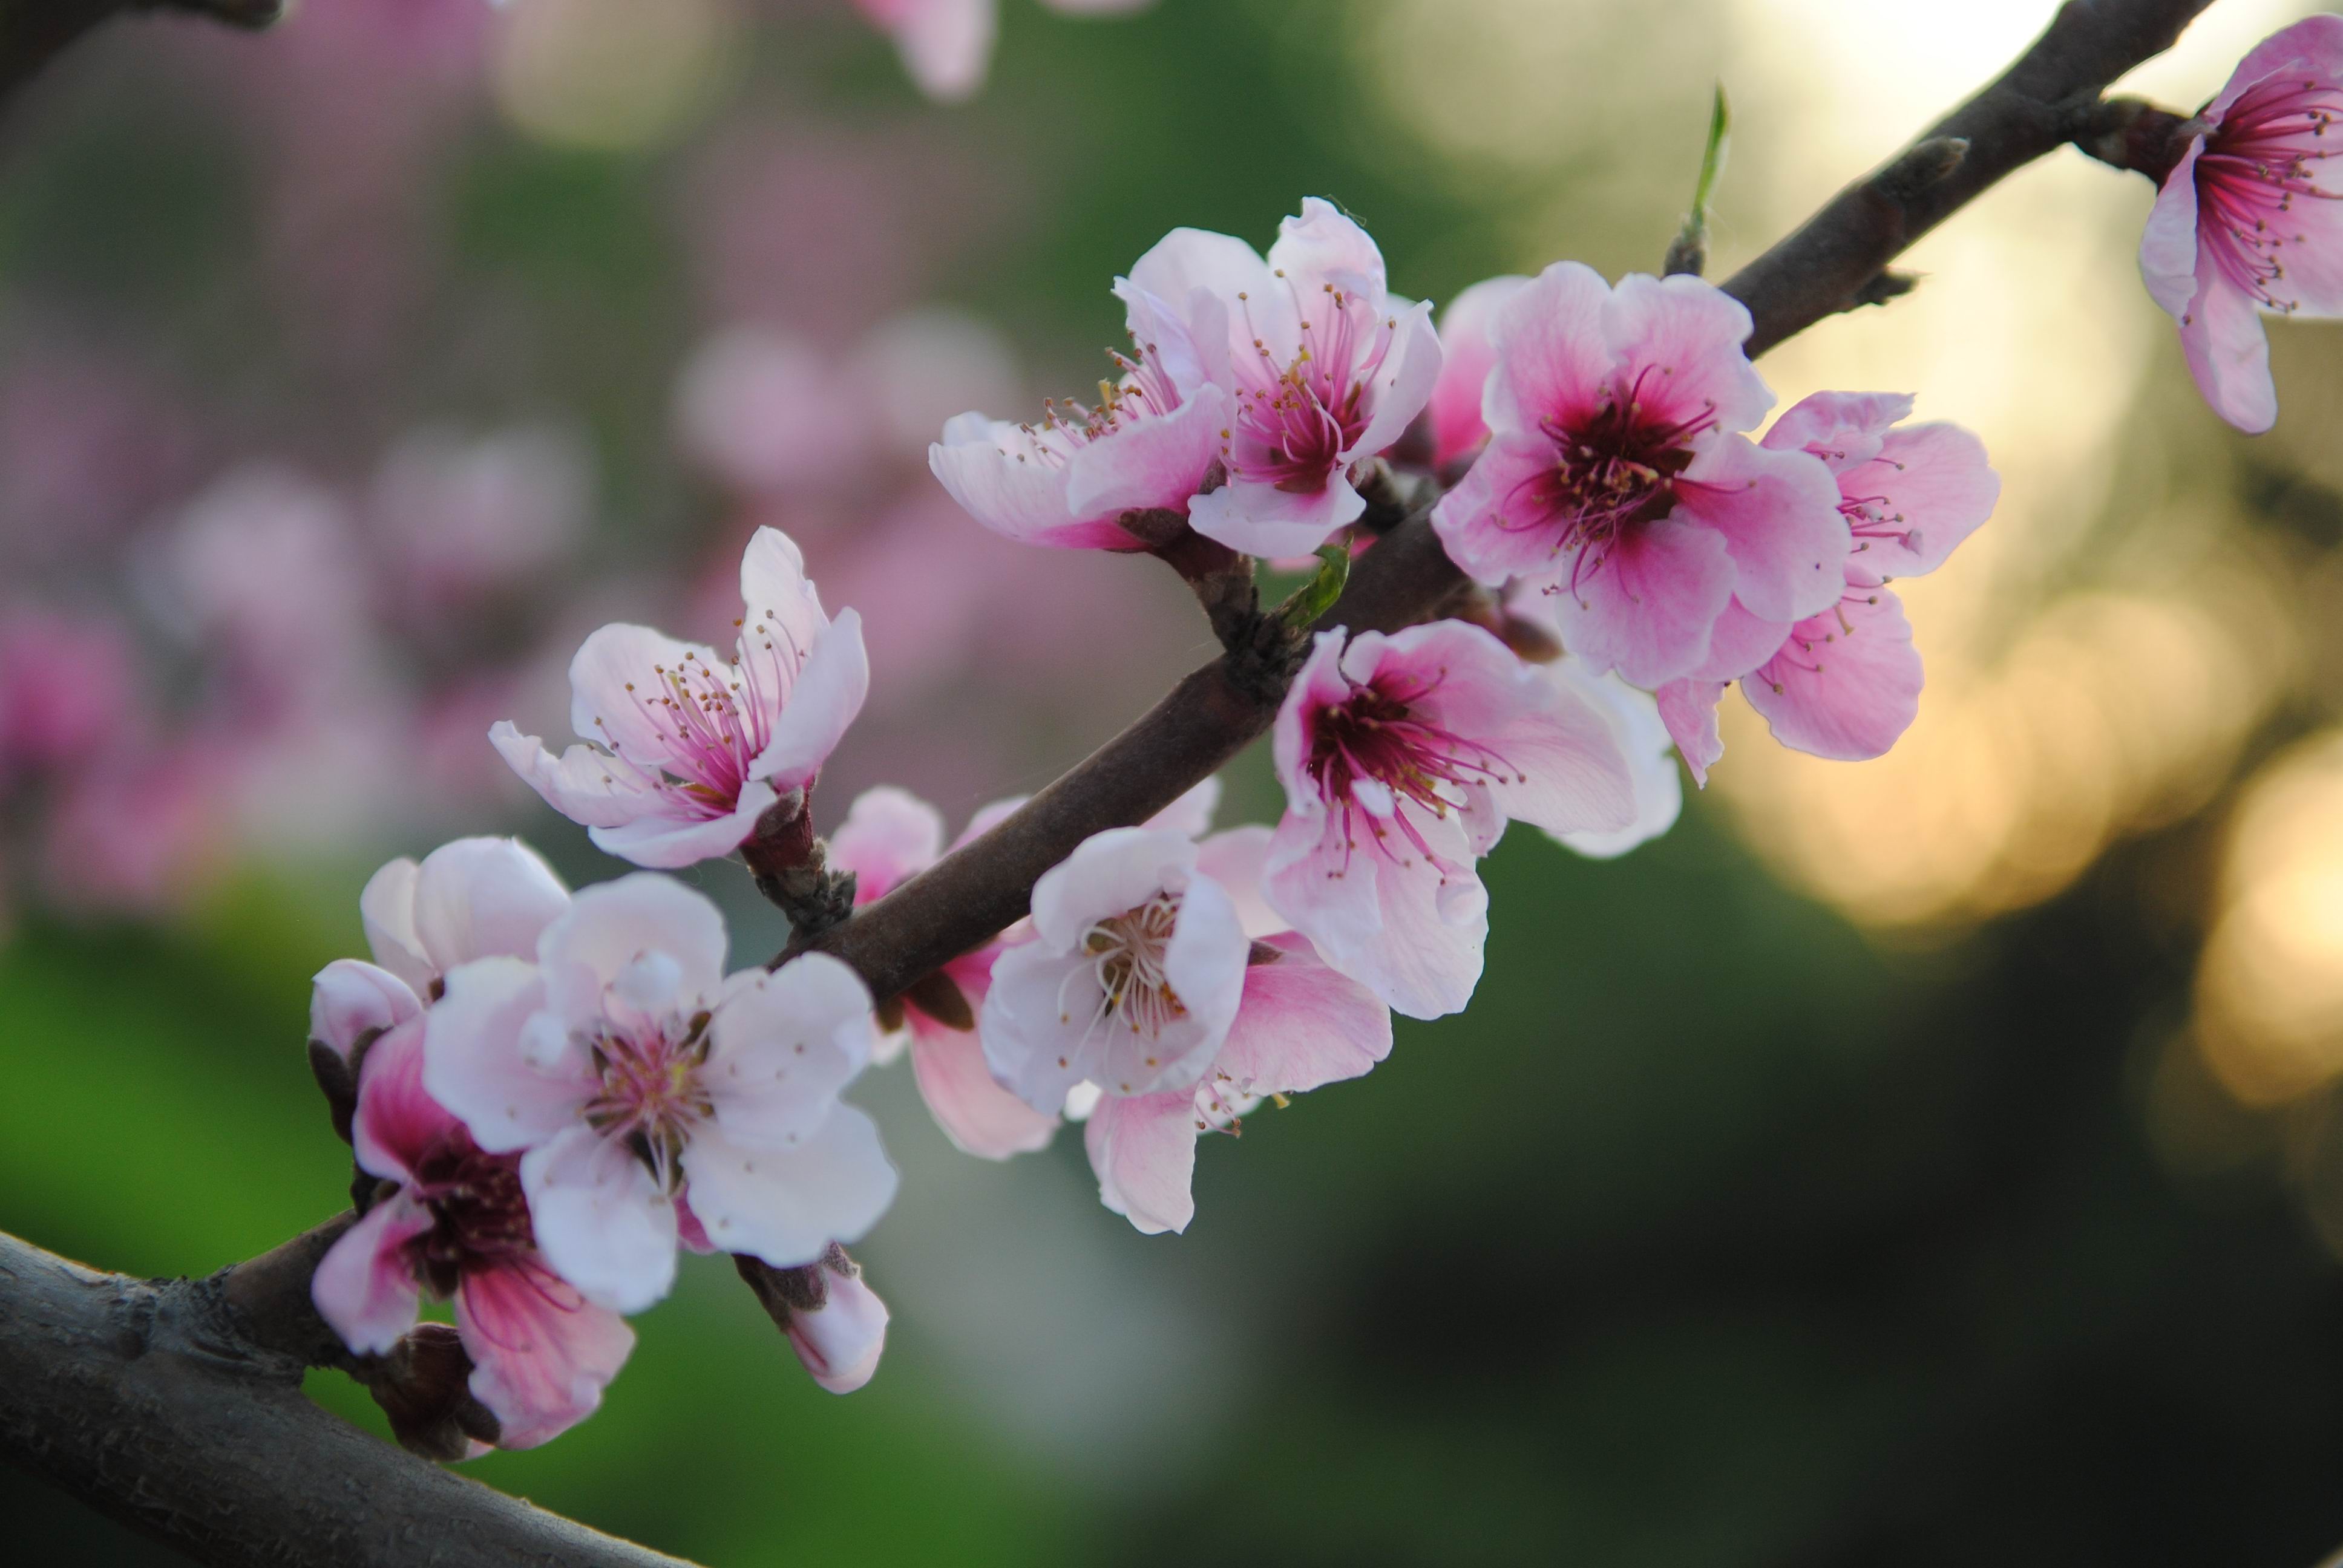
(455, 1222)
(472, 898)
(1846, 683)
(685, 749)
(2249, 220)
(1324, 368)
(1149, 443)
(631, 1075)
(1617, 474)
(887, 838)
(1131, 978)
(1403, 757)
(1299, 1025)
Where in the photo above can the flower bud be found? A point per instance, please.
(836, 1324)
(424, 1386)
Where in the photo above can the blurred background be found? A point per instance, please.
(1933, 1160)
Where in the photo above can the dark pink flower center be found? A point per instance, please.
(1294, 421)
(1382, 736)
(2262, 158)
(652, 1096)
(1616, 467)
(712, 721)
(480, 1216)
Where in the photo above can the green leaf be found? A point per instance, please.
(1316, 597)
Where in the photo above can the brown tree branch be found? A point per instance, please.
(175, 1407)
(1836, 260)
(35, 32)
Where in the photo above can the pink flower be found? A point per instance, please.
(1403, 757)
(890, 837)
(1131, 980)
(2242, 224)
(1325, 370)
(1467, 354)
(1298, 1025)
(840, 1336)
(766, 413)
(627, 1071)
(1617, 472)
(1149, 444)
(457, 1224)
(1846, 683)
(685, 751)
(1650, 752)
(472, 898)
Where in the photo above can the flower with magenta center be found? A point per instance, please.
(685, 750)
(1403, 756)
(2249, 221)
(631, 1075)
(1323, 367)
(452, 1220)
(1130, 980)
(1617, 474)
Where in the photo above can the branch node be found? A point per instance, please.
(1923, 165)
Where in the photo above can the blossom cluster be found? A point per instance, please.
(553, 1093)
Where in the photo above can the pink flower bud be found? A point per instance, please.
(840, 1340)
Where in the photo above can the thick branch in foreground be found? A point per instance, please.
(34, 32)
(175, 1407)
(1834, 261)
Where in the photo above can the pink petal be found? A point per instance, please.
(1108, 874)
(1319, 684)
(397, 1122)
(783, 1045)
(614, 687)
(1688, 707)
(1690, 332)
(1144, 1151)
(350, 997)
(776, 592)
(2167, 247)
(1192, 814)
(988, 817)
(1739, 644)
(828, 693)
(1404, 383)
(601, 1221)
(2228, 353)
(1778, 512)
(1553, 358)
(1644, 739)
(839, 1342)
(1256, 518)
(1842, 428)
(585, 785)
(386, 909)
(483, 898)
(1001, 477)
(1238, 859)
(1489, 524)
(541, 1355)
(477, 1059)
(1935, 484)
(1155, 461)
(1648, 610)
(787, 1205)
(365, 1286)
(611, 924)
(1411, 932)
(1321, 246)
(1301, 1025)
(888, 837)
(977, 1114)
(2313, 45)
(1848, 683)
(1467, 357)
(664, 839)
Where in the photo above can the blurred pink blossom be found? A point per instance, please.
(462, 517)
